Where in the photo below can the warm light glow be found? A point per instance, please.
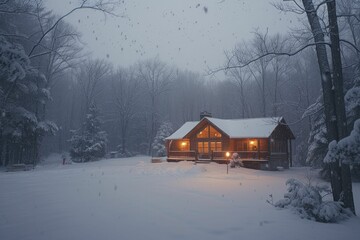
(227, 154)
(252, 142)
(183, 144)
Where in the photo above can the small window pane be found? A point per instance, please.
(214, 133)
(204, 133)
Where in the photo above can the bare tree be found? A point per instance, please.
(279, 66)
(157, 77)
(240, 76)
(258, 69)
(90, 78)
(125, 87)
(346, 190)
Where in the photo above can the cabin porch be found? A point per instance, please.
(250, 159)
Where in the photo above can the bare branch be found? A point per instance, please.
(349, 16)
(351, 44)
(99, 6)
(270, 54)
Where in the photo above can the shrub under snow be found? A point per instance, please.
(307, 201)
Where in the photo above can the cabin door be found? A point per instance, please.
(205, 148)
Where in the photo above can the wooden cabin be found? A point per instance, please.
(262, 143)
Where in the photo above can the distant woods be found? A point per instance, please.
(51, 84)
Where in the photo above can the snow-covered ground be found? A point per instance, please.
(135, 199)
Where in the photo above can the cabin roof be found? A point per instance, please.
(234, 128)
(183, 130)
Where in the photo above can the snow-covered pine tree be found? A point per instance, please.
(318, 143)
(347, 150)
(352, 104)
(22, 91)
(89, 142)
(158, 145)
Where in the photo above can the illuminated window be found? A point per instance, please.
(203, 133)
(184, 145)
(214, 133)
(253, 145)
(208, 132)
(215, 146)
(203, 147)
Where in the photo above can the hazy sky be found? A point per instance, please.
(188, 34)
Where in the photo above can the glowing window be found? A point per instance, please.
(209, 132)
(215, 146)
(184, 145)
(214, 133)
(203, 147)
(203, 133)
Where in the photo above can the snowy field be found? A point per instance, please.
(135, 199)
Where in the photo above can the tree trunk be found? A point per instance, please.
(328, 94)
(339, 102)
(263, 92)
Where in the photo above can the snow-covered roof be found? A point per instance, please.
(247, 128)
(235, 128)
(183, 130)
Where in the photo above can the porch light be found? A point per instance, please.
(252, 142)
(227, 154)
(183, 144)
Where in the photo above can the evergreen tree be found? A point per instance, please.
(89, 142)
(163, 132)
(22, 91)
(318, 143)
(347, 150)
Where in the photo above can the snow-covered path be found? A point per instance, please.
(134, 199)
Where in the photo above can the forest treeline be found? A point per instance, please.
(49, 83)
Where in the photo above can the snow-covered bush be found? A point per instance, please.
(88, 143)
(158, 145)
(123, 153)
(307, 201)
(347, 150)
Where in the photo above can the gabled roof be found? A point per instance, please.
(248, 127)
(183, 130)
(234, 128)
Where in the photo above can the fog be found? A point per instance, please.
(123, 75)
(181, 33)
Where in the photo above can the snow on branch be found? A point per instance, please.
(347, 150)
(313, 109)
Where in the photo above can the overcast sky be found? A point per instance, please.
(188, 34)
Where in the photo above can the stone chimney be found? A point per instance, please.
(204, 114)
